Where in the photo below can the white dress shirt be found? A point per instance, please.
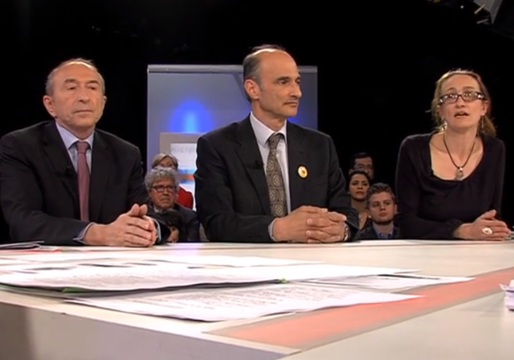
(70, 141)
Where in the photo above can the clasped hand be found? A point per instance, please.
(131, 229)
(310, 224)
(497, 229)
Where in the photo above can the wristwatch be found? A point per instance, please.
(346, 232)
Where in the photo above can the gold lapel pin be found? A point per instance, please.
(302, 171)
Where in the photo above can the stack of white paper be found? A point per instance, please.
(136, 275)
(21, 245)
(509, 295)
(263, 284)
(122, 277)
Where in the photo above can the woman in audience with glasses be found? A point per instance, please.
(162, 186)
(450, 182)
(184, 197)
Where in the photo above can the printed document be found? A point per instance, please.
(11, 261)
(240, 303)
(131, 275)
(123, 277)
(392, 282)
(232, 261)
(319, 271)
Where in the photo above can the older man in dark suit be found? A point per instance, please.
(265, 179)
(66, 182)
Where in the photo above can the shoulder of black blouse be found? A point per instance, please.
(417, 139)
(416, 143)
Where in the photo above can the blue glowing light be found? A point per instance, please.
(190, 117)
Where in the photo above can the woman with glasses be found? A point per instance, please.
(162, 186)
(450, 182)
(184, 197)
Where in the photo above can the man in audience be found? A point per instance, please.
(364, 162)
(266, 179)
(381, 205)
(66, 182)
(162, 185)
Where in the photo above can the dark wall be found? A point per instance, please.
(504, 21)
(378, 60)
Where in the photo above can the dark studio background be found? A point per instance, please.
(378, 60)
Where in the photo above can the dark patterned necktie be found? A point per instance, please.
(276, 188)
(83, 179)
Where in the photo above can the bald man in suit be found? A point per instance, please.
(265, 179)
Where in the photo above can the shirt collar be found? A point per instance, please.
(381, 235)
(69, 139)
(262, 132)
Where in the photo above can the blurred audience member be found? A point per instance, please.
(161, 183)
(381, 206)
(363, 161)
(184, 197)
(358, 185)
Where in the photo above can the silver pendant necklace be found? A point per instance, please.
(459, 174)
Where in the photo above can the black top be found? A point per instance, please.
(433, 208)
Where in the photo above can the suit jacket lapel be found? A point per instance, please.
(251, 158)
(295, 159)
(102, 163)
(59, 158)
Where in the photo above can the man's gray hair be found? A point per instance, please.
(159, 173)
(49, 86)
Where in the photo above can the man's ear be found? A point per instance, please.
(49, 104)
(252, 89)
(104, 101)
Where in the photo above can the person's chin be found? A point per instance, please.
(85, 118)
(291, 112)
(464, 124)
(383, 221)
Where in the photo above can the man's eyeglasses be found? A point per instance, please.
(162, 188)
(467, 96)
(363, 167)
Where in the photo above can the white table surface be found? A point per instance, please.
(475, 326)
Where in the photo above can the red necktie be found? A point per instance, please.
(83, 177)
